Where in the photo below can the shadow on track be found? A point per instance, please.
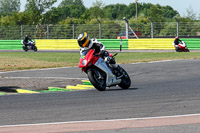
(8, 89)
(121, 89)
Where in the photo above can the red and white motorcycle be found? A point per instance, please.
(101, 74)
(181, 47)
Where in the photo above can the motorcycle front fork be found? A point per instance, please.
(98, 74)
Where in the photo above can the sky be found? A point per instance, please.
(180, 5)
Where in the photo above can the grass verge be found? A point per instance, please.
(10, 61)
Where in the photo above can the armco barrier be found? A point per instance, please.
(131, 44)
(10, 44)
(192, 43)
(150, 44)
(57, 44)
(114, 43)
(71, 44)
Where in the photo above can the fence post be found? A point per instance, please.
(73, 29)
(151, 27)
(126, 27)
(120, 43)
(177, 27)
(21, 31)
(47, 31)
(73, 26)
(99, 28)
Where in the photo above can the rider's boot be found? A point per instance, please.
(116, 69)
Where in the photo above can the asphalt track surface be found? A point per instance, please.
(168, 88)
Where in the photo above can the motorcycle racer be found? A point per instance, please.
(86, 44)
(176, 42)
(26, 40)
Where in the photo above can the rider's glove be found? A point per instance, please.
(108, 58)
(101, 53)
(104, 53)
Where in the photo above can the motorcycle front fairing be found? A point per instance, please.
(182, 44)
(87, 59)
(111, 78)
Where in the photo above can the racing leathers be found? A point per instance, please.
(175, 44)
(93, 44)
(99, 48)
(26, 40)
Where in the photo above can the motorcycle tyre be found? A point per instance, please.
(126, 81)
(94, 81)
(178, 49)
(187, 50)
(25, 48)
(35, 48)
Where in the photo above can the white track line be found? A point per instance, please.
(77, 66)
(73, 122)
(162, 61)
(155, 61)
(36, 70)
(43, 77)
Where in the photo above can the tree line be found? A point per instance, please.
(74, 11)
(41, 13)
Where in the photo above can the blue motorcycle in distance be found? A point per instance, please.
(30, 46)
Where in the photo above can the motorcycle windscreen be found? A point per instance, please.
(86, 58)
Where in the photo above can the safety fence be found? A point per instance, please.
(112, 44)
(68, 31)
(103, 31)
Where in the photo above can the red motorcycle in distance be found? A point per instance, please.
(101, 73)
(181, 47)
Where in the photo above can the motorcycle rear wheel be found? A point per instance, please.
(35, 49)
(97, 79)
(126, 81)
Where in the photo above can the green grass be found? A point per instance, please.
(146, 57)
(10, 61)
(49, 56)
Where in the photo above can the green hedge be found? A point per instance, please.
(192, 43)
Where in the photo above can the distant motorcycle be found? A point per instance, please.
(181, 47)
(100, 72)
(30, 46)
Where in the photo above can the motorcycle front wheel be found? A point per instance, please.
(97, 79)
(187, 50)
(25, 48)
(126, 81)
